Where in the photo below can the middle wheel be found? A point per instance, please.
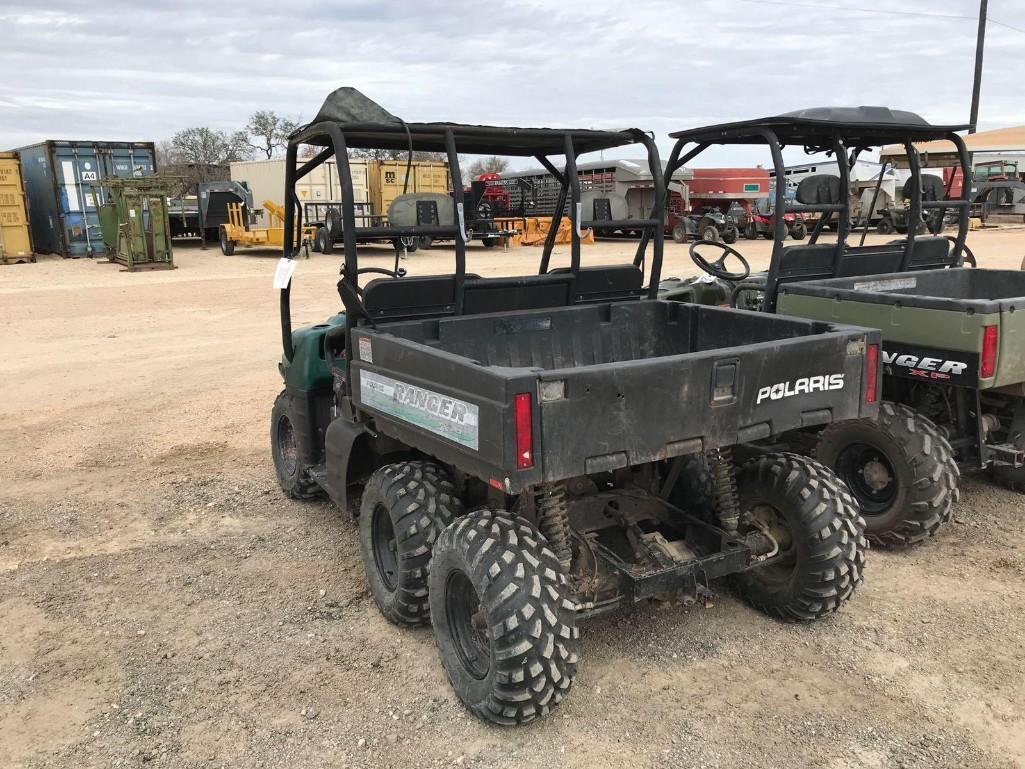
(405, 506)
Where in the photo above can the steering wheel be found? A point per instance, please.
(717, 269)
(399, 273)
(967, 257)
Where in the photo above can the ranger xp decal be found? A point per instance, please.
(941, 366)
(809, 384)
(441, 414)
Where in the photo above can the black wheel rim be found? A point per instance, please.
(467, 625)
(386, 554)
(869, 474)
(288, 452)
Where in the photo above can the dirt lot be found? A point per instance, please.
(162, 604)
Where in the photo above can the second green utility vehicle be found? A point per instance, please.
(954, 384)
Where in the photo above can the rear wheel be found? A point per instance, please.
(680, 233)
(293, 475)
(810, 515)
(901, 470)
(885, 226)
(730, 234)
(489, 242)
(425, 242)
(502, 617)
(769, 235)
(405, 507)
(799, 231)
(751, 231)
(227, 244)
(694, 491)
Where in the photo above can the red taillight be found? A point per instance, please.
(871, 373)
(524, 431)
(989, 352)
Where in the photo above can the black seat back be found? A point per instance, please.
(435, 295)
(932, 188)
(820, 189)
(816, 261)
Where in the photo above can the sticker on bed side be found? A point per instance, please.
(366, 352)
(893, 284)
(441, 414)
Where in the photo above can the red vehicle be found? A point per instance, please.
(761, 220)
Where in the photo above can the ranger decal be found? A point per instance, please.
(443, 415)
(931, 364)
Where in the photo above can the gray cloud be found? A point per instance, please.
(134, 70)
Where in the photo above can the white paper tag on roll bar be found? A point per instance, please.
(283, 274)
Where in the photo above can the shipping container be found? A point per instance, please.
(63, 202)
(266, 179)
(15, 242)
(387, 180)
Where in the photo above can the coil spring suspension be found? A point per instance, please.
(727, 500)
(553, 520)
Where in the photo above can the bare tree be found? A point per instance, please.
(397, 155)
(268, 132)
(208, 146)
(489, 165)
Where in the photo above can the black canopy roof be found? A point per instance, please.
(867, 126)
(367, 125)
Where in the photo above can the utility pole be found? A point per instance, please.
(973, 121)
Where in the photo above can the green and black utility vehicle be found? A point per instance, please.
(954, 364)
(512, 445)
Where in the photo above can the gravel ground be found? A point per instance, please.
(162, 604)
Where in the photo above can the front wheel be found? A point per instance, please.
(799, 231)
(227, 244)
(489, 242)
(502, 617)
(404, 508)
(730, 234)
(885, 226)
(293, 475)
(751, 231)
(901, 470)
(809, 515)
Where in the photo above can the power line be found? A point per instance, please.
(861, 9)
(881, 12)
(1005, 24)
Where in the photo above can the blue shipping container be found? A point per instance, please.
(63, 203)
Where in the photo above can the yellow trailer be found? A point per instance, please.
(237, 230)
(15, 240)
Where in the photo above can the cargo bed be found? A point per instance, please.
(979, 315)
(604, 386)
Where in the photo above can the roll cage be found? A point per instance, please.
(349, 120)
(845, 133)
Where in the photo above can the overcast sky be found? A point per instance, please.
(122, 70)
